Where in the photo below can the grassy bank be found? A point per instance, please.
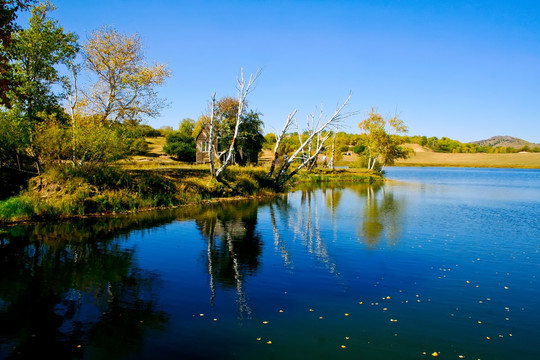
(338, 175)
(65, 192)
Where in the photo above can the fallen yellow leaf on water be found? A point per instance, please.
(265, 322)
(269, 342)
(435, 353)
(388, 297)
(461, 356)
(311, 310)
(487, 337)
(361, 302)
(280, 311)
(346, 314)
(343, 346)
(320, 317)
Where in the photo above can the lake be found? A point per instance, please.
(438, 262)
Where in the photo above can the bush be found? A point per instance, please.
(359, 148)
(180, 146)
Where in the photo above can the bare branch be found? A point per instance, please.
(211, 135)
(317, 130)
(288, 123)
(244, 88)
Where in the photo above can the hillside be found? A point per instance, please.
(506, 141)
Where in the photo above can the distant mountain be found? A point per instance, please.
(507, 141)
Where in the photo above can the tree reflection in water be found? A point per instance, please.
(77, 283)
(382, 215)
(72, 288)
(234, 246)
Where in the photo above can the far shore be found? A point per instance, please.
(421, 157)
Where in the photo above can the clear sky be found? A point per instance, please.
(468, 70)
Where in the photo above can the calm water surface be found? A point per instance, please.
(439, 261)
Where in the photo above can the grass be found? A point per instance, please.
(146, 182)
(518, 160)
(67, 192)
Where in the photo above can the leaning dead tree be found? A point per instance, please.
(244, 87)
(319, 131)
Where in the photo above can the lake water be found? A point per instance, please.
(439, 262)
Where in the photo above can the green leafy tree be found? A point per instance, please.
(36, 52)
(8, 27)
(250, 139)
(96, 144)
(181, 143)
(381, 140)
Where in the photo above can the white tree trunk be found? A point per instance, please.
(244, 88)
(282, 176)
(211, 136)
(288, 123)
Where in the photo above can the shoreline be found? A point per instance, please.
(42, 205)
(482, 166)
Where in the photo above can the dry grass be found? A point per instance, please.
(423, 157)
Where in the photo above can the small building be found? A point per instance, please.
(202, 145)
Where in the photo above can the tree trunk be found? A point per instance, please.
(211, 136)
(244, 88)
(333, 153)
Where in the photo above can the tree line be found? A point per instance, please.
(66, 100)
(82, 102)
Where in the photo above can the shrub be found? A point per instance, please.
(180, 146)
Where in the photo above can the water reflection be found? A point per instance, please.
(70, 288)
(382, 215)
(75, 288)
(234, 246)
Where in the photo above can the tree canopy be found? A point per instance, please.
(381, 141)
(125, 85)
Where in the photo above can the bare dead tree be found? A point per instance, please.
(211, 135)
(290, 121)
(244, 87)
(322, 129)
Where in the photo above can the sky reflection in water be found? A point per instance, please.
(443, 261)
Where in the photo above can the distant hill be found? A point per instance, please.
(507, 141)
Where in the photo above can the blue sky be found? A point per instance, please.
(463, 69)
